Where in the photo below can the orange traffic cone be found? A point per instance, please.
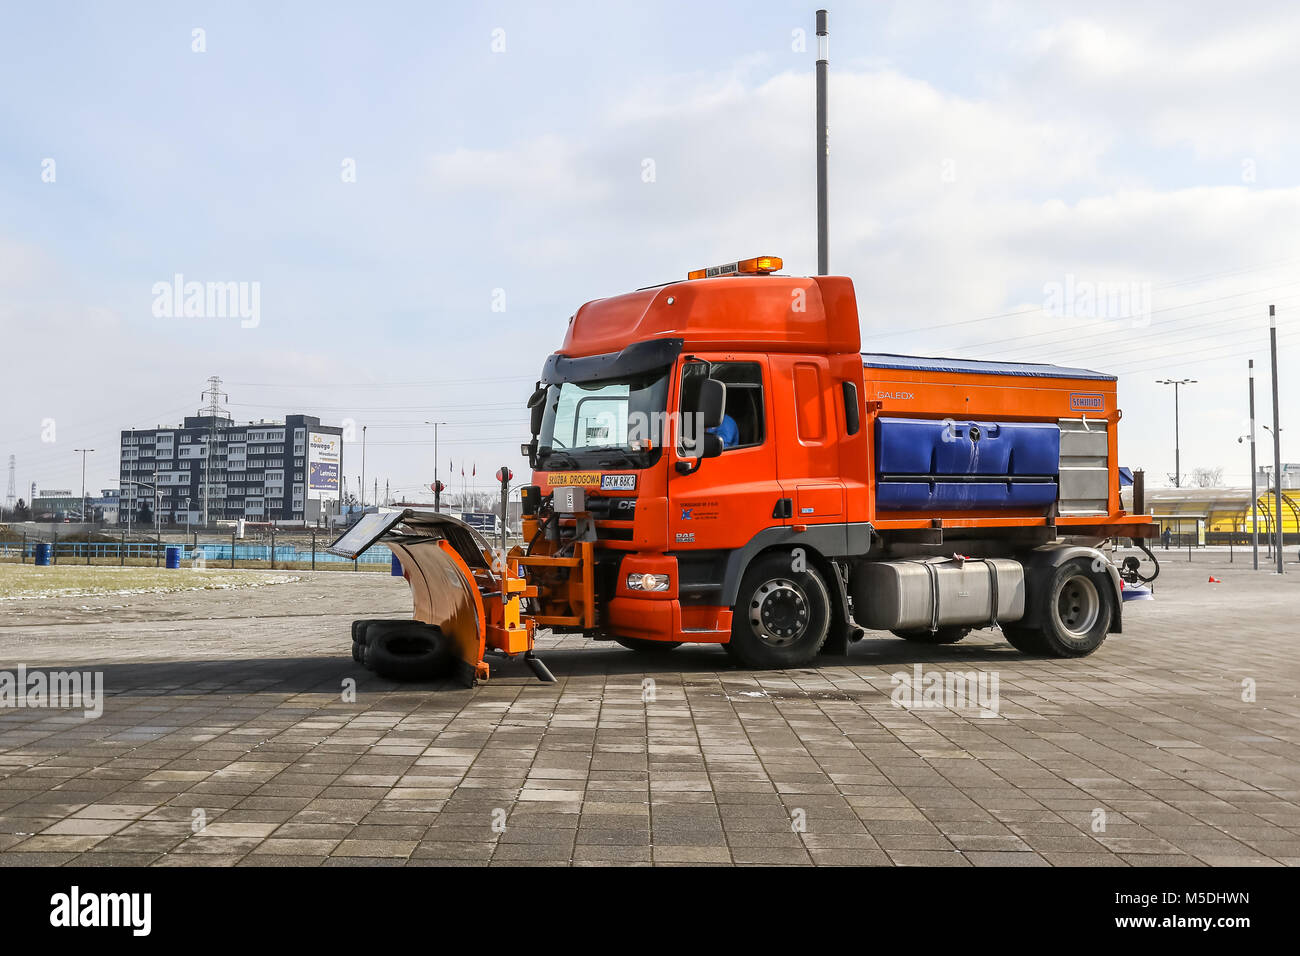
(1214, 580)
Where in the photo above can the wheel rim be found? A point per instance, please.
(779, 612)
(1078, 605)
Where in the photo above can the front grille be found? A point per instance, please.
(611, 508)
(607, 508)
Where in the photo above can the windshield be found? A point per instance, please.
(611, 423)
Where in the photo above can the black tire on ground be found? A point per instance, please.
(782, 616)
(945, 635)
(647, 647)
(407, 650)
(1075, 611)
(359, 627)
(358, 651)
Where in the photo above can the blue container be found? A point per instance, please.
(173, 556)
(910, 446)
(42, 554)
(927, 465)
(397, 567)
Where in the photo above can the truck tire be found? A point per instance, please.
(782, 616)
(406, 650)
(359, 627)
(945, 635)
(1075, 611)
(1026, 640)
(646, 647)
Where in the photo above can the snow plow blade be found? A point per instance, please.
(460, 586)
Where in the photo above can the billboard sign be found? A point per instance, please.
(324, 460)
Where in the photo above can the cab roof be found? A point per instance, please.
(756, 313)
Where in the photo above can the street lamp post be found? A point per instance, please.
(142, 484)
(1177, 453)
(822, 143)
(83, 452)
(1277, 438)
(130, 504)
(437, 493)
(1276, 471)
(1255, 488)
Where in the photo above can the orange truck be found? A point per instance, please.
(716, 461)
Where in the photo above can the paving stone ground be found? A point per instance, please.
(226, 709)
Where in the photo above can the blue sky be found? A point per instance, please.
(980, 153)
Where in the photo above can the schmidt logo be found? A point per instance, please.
(1087, 402)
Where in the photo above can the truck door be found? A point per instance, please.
(726, 500)
(808, 454)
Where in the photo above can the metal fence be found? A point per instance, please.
(214, 555)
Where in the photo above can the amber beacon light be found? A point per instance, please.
(760, 265)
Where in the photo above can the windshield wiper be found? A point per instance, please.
(624, 458)
(546, 453)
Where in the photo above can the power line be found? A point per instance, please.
(1039, 309)
(390, 408)
(1120, 341)
(1114, 331)
(1222, 356)
(331, 386)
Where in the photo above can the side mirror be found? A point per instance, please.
(713, 402)
(537, 406)
(851, 421)
(710, 447)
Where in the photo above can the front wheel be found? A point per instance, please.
(782, 615)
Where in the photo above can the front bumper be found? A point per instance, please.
(651, 619)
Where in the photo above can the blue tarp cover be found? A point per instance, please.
(919, 363)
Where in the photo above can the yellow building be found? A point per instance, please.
(1215, 510)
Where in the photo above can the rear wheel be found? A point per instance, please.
(1027, 640)
(945, 635)
(1079, 609)
(647, 647)
(1075, 611)
(782, 616)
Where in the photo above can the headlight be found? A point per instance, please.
(647, 582)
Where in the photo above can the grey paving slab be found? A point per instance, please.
(228, 738)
